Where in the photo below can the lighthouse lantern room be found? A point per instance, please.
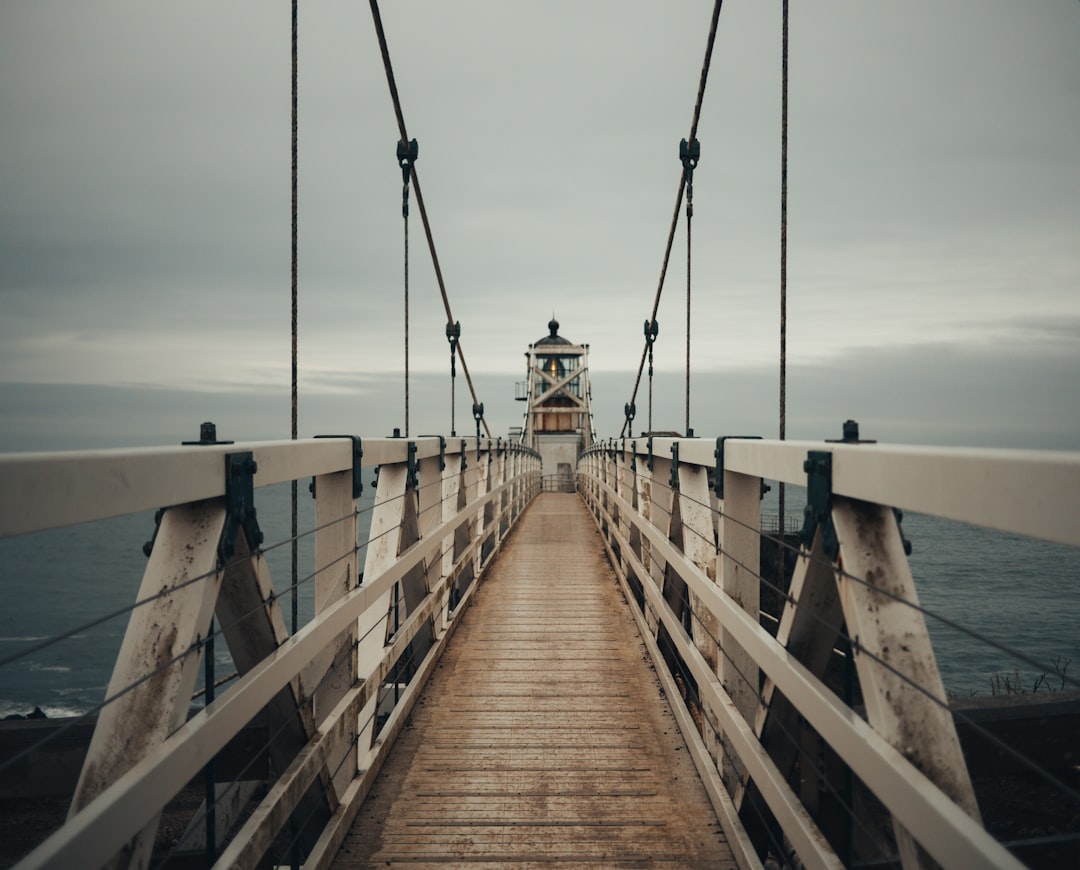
(558, 419)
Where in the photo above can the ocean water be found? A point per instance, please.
(1022, 593)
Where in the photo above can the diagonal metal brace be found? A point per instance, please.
(240, 471)
(818, 510)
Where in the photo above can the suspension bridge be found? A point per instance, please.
(551, 647)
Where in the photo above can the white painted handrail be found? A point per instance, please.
(324, 683)
(692, 558)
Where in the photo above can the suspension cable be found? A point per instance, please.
(783, 252)
(453, 335)
(295, 152)
(406, 156)
(392, 84)
(689, 154)
(682, 184)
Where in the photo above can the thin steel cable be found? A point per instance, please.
(940, 702)
(682, 184)
(201, 815)
(783, 256)
(689, 222)
(405, 218)
(944, 620)
(129, 608)
(391, 82)
(791, 738)
(195, 646)
(295, 307)
(854, 645)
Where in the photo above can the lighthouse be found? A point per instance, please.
(558, 419)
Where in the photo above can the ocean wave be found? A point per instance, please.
(58, 669)
(53, 711)
(22, 639)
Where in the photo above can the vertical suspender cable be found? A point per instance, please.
(679, 196)
(689, 154)
(406, 220)
(406, 156)
(783, 252)
(295, 526)
(689, 216)
(294, 598)
(376, 18)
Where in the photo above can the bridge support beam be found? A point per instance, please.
(382, 552)
(159, 656)
(889, 638)
(335, 519)
(740, 556)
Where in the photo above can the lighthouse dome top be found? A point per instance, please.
(553, 337)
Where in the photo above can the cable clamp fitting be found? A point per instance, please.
(406, 156)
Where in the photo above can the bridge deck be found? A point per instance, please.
(543, 735)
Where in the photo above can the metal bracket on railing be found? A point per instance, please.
(851, 435)
(464, 461)
(899, 514)
(648, 462)
(633, 456)
(240, 471)
(498, 446)
(207, 436)
(148, 547)
(413, 467)
(719, 454)
(442, 450)
(357, 457)
(674, 479)
(818, 511)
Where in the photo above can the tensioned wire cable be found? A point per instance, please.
(128, 608)
(679, 195)
(391, 82)
(944, 620)
(200, 817)
(856, 647)
(801, 751)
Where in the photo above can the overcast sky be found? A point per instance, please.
(934, 217)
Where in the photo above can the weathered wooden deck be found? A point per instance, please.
(543, 735)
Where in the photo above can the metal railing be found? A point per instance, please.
(329, 698)
(833, 705)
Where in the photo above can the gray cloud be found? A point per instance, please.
(144, 230)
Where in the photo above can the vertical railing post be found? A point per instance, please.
(451, 482)
(185, 548)
(740, 557)
(699, 548)
(481, 473)
(335, 670)
(382, 552)
(883, 617)
(500, 508)
(626, 491)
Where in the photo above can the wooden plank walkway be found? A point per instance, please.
(543, 735)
